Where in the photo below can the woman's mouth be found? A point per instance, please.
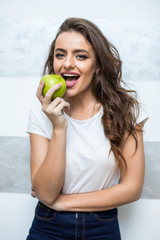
(70, 78)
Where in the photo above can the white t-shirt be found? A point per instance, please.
(89, 166)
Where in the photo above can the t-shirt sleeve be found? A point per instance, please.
(38, 123)
(142, 117)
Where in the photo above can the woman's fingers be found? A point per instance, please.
(33, 194)
(59, 108)
(39, 92)
(53, 109)
(56, 102)
(50, 92)
(56, 106)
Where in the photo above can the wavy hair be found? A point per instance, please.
(120, 106)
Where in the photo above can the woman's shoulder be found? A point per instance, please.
(38, 122)
(36, 110)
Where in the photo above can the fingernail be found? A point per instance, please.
(42, 82)
(58, 85)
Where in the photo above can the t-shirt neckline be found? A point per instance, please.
(84, 120)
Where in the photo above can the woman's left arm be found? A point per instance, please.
(128, 190)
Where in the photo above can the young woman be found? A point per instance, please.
(87, 155)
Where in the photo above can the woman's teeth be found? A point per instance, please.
(70, 77)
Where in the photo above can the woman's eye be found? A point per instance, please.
(59, 55)
(82, 57)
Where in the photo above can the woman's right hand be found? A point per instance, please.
(53, 109)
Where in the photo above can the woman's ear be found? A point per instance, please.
(97, 69)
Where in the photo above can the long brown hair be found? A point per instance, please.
(120, 106)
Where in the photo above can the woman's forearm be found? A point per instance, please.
(97, 201)
(49, 179)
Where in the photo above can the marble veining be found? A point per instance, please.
(24, 45)
(14, 164)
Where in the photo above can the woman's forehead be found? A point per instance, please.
(72, 39)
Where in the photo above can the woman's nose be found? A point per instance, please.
(69, 62)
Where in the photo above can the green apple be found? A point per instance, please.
(50, 80)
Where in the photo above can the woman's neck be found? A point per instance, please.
(82, 108)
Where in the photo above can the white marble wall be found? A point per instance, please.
(24, 44)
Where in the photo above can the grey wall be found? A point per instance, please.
(14, 164)
(15, 167)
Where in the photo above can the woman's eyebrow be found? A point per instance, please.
(74, 51)
(80, 50)
(60, 49)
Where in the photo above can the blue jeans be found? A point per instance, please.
(49, 224)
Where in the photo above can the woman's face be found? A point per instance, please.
(75, 61)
